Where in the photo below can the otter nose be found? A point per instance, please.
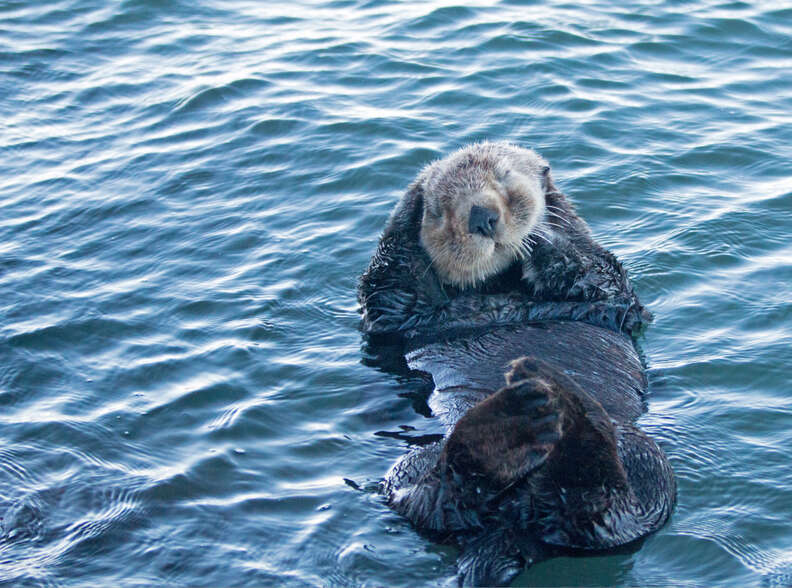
(483, 221)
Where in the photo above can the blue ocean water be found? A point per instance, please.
(189, 190)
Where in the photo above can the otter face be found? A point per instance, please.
(482, 205)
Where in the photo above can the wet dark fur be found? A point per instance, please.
(400, 293)
(533, 465)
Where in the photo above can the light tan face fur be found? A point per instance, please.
(499, 177)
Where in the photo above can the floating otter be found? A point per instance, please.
(492, 285)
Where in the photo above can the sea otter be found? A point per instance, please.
(492, 285)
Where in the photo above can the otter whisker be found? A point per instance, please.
(563, 220)
(552, 207)
(560, 218)
(521, 251)
(526, 248)
(557, 209)
(428, 267)
(541, 235)
(559, 227)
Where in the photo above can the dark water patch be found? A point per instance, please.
(371, 127)
(749, 88)
(566, 39)
(670, 78)
(603, 84)
(578, 105)
(718, 157)
(508, 43)
(346, 55)
(617, 35)
(775, 55)
(74, 333)
(736, 6)
(440, 18)
(277, 127)
(283, 20)
(779, 14)
(210, 98)
(35, 61)
(736, 29)
(205, 475)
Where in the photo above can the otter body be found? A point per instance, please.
(493, 286)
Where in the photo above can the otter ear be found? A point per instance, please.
(547, 182)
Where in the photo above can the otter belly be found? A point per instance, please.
(468, 369)
(541, 455)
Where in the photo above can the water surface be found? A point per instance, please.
(189, 190)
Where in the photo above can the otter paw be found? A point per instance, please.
(508, 435)
(526, 368)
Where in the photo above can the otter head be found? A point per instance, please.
(481, 207)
